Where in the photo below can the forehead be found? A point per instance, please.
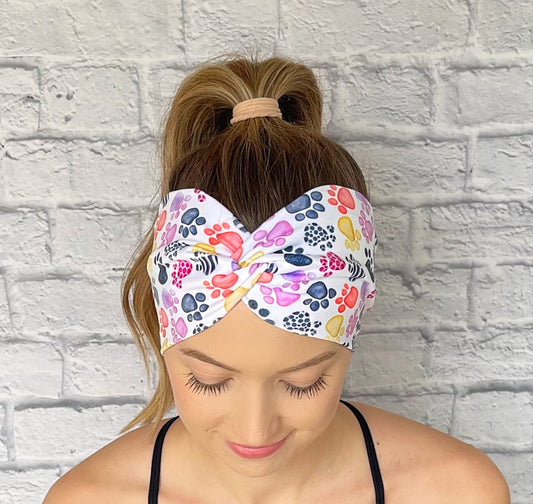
(241, 339)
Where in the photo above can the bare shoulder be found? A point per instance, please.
(418, 461)
(119, 471)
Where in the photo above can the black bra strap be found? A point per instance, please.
(156, 462)
(372, 457)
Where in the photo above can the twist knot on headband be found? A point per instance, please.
(255, 107)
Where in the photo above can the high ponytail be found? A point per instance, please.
(254, 168)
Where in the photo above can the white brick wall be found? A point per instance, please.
(434, 100)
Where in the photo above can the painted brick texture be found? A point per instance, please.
(433, 99)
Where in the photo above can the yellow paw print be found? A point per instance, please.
(353, 236)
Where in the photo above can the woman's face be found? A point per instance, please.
(256, 403)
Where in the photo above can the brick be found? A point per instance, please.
(437, 296)
(73, 304)
(312, 29)
(80, 28)
(503, 293)
(121, 174)
(162, 85)
(392, 229)
(90, 98)
(503, 165)
(5, 317)
(19, 99)
(495, 418)
(24, 237)
(104, 369)
(395, 169)
(101, 237)
(63, 433)
(433, 410)
(473, 230)
(405, 349)
(505, 26)
(516, 468)
(382, 95)
(476, 96)
(37, 170)
(223, 24)
(3, 441)
(473, 356)
(27, 486)
(40, 364)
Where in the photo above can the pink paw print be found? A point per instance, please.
(200, 194)
(232, 240)
(163, 321)
(342, 198)
(331, 262)
(282, 298)
(182, 268)
(170, 300)
(169, 234)
(275, 236)
(366, 227)
(348, 298)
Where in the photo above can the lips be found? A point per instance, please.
(251, 452)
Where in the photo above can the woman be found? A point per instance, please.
(260, 266)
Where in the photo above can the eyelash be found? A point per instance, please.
(199, 387)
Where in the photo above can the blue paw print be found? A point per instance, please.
(263, 312)
(300, 321)
(320, 296)
(315, 234)
(301, 206)
(295, 257)
(190, 219)
(194, 306)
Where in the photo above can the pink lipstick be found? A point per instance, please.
(252, 452)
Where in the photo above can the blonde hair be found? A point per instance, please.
(253, 167)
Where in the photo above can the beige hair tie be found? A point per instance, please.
(255, 107)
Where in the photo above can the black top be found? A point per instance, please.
(372, 458)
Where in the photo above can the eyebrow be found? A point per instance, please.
(308, 363)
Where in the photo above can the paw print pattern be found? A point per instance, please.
(173, 248)
(170, 300)
(348, 298)
(162, 276)
(366, 227)
(302, 206)
(300, 321)
(331, 262)
(369, 263)
(189, 220)
(315, 234)
(353, 236)
(182, 268)
(320, 296)
(263, 312)
(220, 234)
(355, 268)
(295, 257)
(194, 306)
(341, 197)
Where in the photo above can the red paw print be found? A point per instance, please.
(341, 197)
(348, 298)
(230, 239)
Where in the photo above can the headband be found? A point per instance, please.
(307, 269)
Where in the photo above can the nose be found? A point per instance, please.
(256, 418)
